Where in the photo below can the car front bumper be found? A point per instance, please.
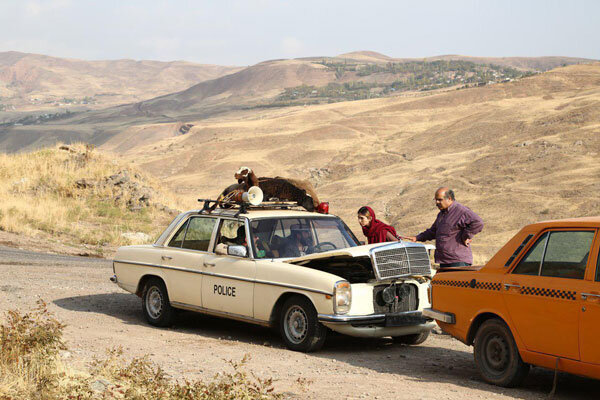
(378, 325)
(406, 318)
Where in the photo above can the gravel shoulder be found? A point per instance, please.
(100, 316)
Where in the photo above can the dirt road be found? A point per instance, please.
(99, 316)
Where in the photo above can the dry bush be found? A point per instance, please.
(141, 379)
(30, 345)
(40, 192)
(30, 368)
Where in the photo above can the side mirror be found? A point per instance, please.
(238, 251)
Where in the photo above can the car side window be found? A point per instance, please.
(178, 237)
(198, 234)
(567, 254)
(232, 232)
(518, 250)
(530, 264)
(598, 267)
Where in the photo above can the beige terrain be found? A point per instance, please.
(515, 152)
(33, 82)
(100, 316)
(63, 100)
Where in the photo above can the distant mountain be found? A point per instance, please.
(369, 56)
(269, 84)
(32, 81)
(523, 63)
(314, 80)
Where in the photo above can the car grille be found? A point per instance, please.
(406, 298)
(398, 260)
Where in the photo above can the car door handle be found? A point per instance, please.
(584, 296)
(508, 286)
(207, 264)
(166, 257)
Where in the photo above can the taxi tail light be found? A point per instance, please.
(342, 297)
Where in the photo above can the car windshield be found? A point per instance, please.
(296, 237)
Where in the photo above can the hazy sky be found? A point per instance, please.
(238, 32)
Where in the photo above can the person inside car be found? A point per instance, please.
(299, 243)
(238, 240)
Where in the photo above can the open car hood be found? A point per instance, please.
(357, 251)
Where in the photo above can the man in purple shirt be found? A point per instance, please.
(453, 231)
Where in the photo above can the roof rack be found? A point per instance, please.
(243, 207)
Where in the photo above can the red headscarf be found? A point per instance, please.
(377, 231)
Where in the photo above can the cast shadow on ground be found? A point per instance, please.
(445, 365)
(128, 308)
(426, 362)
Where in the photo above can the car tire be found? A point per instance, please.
(155, 303)
(412, 340)
(497, 356)
(299, 326)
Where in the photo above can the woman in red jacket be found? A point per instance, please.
(375, 230)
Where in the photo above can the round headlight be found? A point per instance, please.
(389, 294)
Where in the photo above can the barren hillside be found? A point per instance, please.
(270, 84)
(74, 199)
(32, 82)
(515, 152)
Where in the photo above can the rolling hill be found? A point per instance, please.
(32, 82)
(270, 84)
(514, 152)
(522, 63)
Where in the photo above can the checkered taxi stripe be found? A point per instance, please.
(471, 284)
(451, 283)
(488, 285)
(560, 294)
(526, 290)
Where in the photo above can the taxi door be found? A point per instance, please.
(183, 260)
(228, 281)
(541, 292)
(589, 321)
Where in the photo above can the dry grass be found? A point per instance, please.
(31, 368)
(515, 153)
(39, 195)
(28, 359)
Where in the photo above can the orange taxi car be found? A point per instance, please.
(536, 302)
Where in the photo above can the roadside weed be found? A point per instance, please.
(31, 368)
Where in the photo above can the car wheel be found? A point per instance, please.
(414, 340)
(155, 303)
(497, 356)
(299, 326)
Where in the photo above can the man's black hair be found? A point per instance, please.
(241, 232)
(449, 194)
